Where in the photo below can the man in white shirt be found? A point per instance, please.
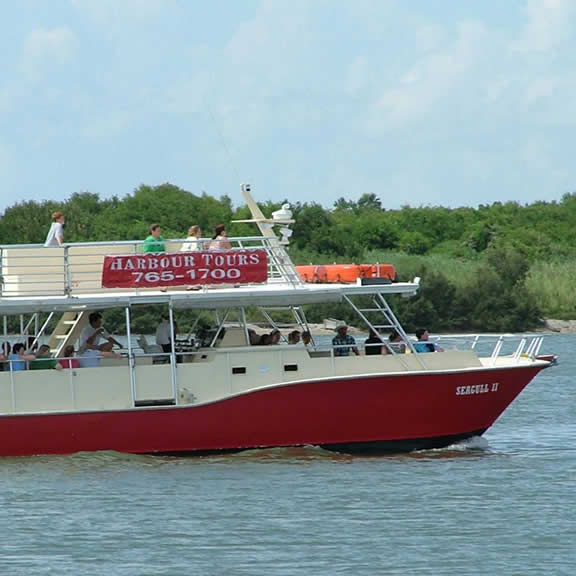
(163, 336)
(95, 343)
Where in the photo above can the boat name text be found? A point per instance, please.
(476, 389)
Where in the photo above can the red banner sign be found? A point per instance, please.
(185, 269)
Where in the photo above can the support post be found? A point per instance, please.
(131, 366)
(173, 366)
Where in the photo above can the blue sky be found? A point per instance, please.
(443, 102)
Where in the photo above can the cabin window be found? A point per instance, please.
(238, 370)
(290, 367)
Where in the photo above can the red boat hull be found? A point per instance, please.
(368, 414)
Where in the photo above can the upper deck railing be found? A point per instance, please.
(32, 271)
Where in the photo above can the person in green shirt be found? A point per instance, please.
(154, 242)
(44, 360)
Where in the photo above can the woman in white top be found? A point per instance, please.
(56, 233)
(192, 242)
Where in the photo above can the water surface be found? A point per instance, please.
(502, 505)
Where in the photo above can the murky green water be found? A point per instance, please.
(505, 505)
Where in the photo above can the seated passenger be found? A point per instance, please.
(294, 337)
(265, 340)
(395, 343)
(4, 355)
(69, 361)
(374, 345)
(423, 345)
(253, 337)
(344, 343)
(306, 337)
(44, 360)
(275, 336)
(154, 241)
(96, 343)
(18, 359)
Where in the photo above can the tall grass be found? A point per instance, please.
(460, 272)
(553, 284)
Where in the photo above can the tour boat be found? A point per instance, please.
(215, 391)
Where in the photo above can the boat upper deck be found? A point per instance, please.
(108, 274)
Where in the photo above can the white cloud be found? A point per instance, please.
(549, 23)
(431, 80)
(44, 48)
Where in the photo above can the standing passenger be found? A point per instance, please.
(55, 235)
(193, 243)
(220, 240)
(154, 241)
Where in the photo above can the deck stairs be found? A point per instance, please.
(67, 331)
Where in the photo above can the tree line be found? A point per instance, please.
(477, 264)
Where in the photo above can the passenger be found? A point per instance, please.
(44, 360)
(343, 342)
(294, 337)
(91, 348)
(18, 359)
(374, 345)
(193, 243)
(395, 343)
(154, 242)
(275, 336)
(265, 340)
(69, 361)
(423, 345)
(220, 240)
(306, 338)
(55, 235)
(253, 337)
(163, 337)
(4, 355)
(31, 345)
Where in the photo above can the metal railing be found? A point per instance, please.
(524, 350)
(31, 270)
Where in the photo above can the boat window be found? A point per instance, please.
(290, 367)
(238, 370)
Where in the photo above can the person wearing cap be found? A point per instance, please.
(344, 343)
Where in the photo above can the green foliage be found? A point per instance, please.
(495, 267)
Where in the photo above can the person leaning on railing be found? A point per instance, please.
(18, 359)
(44, 360)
